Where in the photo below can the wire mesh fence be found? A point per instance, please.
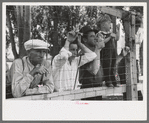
(112, 70)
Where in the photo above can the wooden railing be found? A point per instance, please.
(81, 93)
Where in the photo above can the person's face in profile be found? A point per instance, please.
(91, 41)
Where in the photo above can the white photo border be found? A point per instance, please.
(70, 110)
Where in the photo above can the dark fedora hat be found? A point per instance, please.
(87, 29)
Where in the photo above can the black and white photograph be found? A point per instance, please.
(58, 56)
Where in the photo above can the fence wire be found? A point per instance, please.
(118, 71)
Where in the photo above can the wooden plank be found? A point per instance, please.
(76, 91)
(57, 98)
(22, 98)
(90, 94)
(111, 11)
(69, 97)
(133, 63)
(38, 97)
(104, 91)
(131, 75)
(79, 96)
(64, 93)
(55, 94)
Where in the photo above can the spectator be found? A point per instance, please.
(32, 74)
(91, 73)
(109, 52)
(66, 63)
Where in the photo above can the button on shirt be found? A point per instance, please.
(64, 73)
(21, 79)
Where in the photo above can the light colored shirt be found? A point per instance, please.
(21, 79)
(139, 38)
(64, 73)
(121, 41)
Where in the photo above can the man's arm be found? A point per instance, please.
(60, 59)
(107, 39)
(20, 82)
(95, 65)
(47, 81)
(113, 35)
(88, 54)
(64, 54)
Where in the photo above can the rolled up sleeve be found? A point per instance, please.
(60, 59)
(87, 57)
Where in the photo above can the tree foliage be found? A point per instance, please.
(51, 23)
(17, 28)
(11, 31)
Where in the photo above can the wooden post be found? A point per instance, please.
(20, 27)
(114, 31)
(114, 22)
(11, 36)
(27, 26)
(54, 37)
(23, 21)
(131, 75)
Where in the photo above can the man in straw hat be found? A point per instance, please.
(109, 52)
(65, 64)
(32, 74)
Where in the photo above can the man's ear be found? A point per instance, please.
(84, 40)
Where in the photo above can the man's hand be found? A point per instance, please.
(99, 41)
(39, 69)
(71, 36)
(45, 82)
(126, 50)
(113, 35)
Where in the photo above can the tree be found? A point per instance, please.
(10, 12)
(50, 23)
(18, 22)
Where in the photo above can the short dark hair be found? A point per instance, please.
(85, 36)
(64, 40)
(74, 42)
